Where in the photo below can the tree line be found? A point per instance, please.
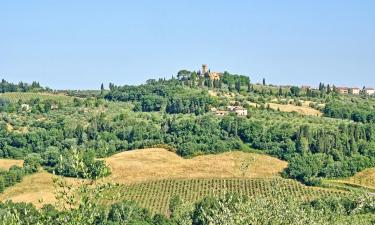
(20, 87)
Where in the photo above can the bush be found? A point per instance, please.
(32, 162)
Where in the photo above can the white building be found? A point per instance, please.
(25, 107)
(355, 91)
(240, 111)
(370, 91)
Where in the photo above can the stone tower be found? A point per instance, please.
(204, 69)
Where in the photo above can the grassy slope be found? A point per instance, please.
(152, 176)
(362, 180)
(5, 164)
(303, 110)
(37, 188)
(156, 164)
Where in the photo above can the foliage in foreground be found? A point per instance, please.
(229, 210)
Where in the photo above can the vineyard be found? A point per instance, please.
(26, 96)
(155, 195)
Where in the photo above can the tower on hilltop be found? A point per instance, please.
(204, 69)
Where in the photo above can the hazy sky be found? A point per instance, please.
(80, 44)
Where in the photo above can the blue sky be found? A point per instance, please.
(80, 44)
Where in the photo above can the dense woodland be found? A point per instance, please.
(66, 135)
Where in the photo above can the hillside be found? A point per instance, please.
(147, 165)
(151, 177)
(105, 140)
(159, 164)
(38, 189)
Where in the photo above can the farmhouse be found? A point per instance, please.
(342, 90)
(370, 91)
(240, 111)
(221, 113)
(355, 91)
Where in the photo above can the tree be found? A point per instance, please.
(2, 184)
(238, 86)
(111, 86)
(183, 75)
(295, 91)
(302, 145)
(280, 91)
(249, 87)
(102, 88)
(79, 132)
(32, 162)
(264, 81)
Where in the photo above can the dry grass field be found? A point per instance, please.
(365, 179)
(148, 165)
(37, 188)
(5, 164)
(304, 109)
(157, 164)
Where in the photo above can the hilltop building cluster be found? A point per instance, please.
(342, 90)
(206, 72)
(355, 90)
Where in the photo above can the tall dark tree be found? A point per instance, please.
(238, 86)
(102, 88)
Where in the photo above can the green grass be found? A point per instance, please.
(156, 195)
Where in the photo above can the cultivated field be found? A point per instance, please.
(26, 96)
(156, 195)
(5, 164)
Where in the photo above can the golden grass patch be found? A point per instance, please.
(304, 109)
(366, 178)
(157, 164)
(37, 188)
(5, 164)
